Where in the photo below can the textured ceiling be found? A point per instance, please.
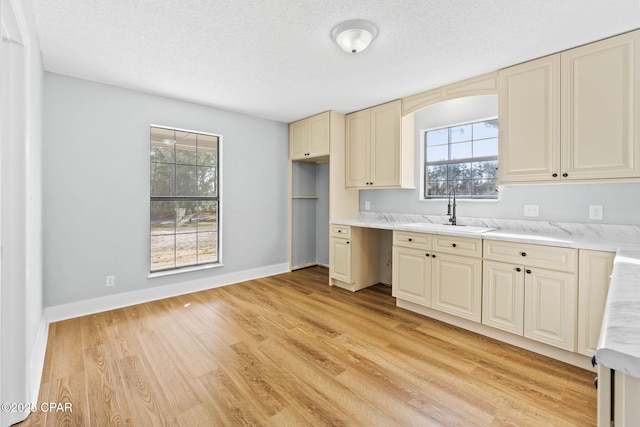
(275, 58)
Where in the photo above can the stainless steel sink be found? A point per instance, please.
(429, 226)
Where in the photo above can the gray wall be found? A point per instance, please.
(556, 201)
(310, 222)
(303, 224)
(96, 187)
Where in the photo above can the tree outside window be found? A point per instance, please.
(464, 157)
(184, 218)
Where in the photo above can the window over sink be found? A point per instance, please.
(462, 156)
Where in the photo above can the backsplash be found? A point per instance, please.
(557, 202)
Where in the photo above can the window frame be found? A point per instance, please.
(218, 199)
(424, 163)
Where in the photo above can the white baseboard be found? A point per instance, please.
(97, 305)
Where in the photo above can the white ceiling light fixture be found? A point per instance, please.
(354, 36)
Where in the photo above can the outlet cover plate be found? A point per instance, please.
(596, 212)
(531, 210)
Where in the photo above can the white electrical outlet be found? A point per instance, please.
(367, 205)
(111, 281)
(531, 210)
(596, 212)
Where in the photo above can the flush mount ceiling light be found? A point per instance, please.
(354, 36)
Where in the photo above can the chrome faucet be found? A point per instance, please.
(451, 208)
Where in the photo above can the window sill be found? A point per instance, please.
(184, 270)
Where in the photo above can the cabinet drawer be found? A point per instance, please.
(549, 257)
(458, 245)
(408, 239)
(341, 231)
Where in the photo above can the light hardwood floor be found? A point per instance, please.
(290, 350)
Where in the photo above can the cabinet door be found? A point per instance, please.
(358, 157)
(456, 286)
(298, 140)
(600, 98)
(503, 296)
(529, 105)
(550, 307)
(386, 134)
(593, 286)
(340, 259)
(319, 135)
(626, 411)
(411, 276)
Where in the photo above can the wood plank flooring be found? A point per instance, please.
(289, 350)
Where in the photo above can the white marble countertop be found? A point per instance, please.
(599, 237)
(619, 345)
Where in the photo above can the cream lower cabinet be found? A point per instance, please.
(626, 411)
(353, 255)
(457, 286)
(531, 290)
(411, 275)
(530, 301)
(340, 259)
(441, 272)
(503, 296)
(457, 276)
(550, 299)
(617, 398)
(593, 286)
(411, 267)
(444, 282)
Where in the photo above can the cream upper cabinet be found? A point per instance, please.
(378, 155)
(573, 115)
(529, 111)
(593, 286)
(358, 149)
(386, 149)
(600, 109)
(309, 138)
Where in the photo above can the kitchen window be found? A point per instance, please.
(185, 198)
(464, 157)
